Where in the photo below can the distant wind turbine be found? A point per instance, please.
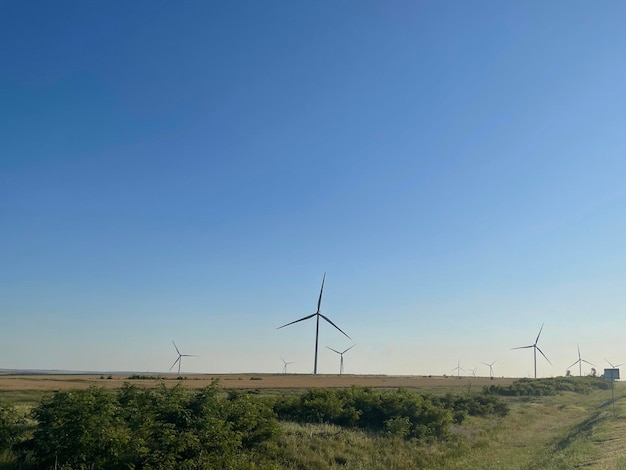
(285, 365)
(535, 349)
(490, 368)
(180, 356)
(580, 363)
(615, 367)
(317, 314)
(473, 371)
(458, 368)
(341, 354)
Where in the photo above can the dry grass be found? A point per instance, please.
(559, 432)
(51, 382)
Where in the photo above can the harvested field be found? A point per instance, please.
(52, 382)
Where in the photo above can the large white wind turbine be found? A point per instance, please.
(535, 349)
(180, 356)
(458, 368)
(285, 365)
(580, 363)
(490, 368)
(341, 354)
(317, 314)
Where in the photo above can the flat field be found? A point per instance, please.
(564, 431)
(53, 382)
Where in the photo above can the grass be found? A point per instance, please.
(565, 431)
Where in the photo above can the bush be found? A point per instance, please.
(150, 428)
(397, 413)
(550, 386)
(10, 426)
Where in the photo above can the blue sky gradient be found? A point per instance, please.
(190, 171)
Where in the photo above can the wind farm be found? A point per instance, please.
(183, 172)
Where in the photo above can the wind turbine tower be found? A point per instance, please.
(317, 314)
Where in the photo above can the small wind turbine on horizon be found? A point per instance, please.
(341, 354)
(458, 368)
(180, 356)
(535, 349)
(490, 368)
(614, 367)
(317, 314)
(580, 363)
(473, 371)
(285, 365)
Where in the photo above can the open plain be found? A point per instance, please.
(53, 382)
(567, 430)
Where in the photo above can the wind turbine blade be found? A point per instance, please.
(588, 363)
(328, 320)
(616, 365)
(537, 340)
(578, 351)
(175, 363)
(189, 355)
(572, 364)
(525, 347)
(283, 360)
(319, 301)
(348, 349)
(544, 355)
(333, 349)
(296, 321)
(176, 347)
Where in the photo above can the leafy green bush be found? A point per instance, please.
(10, 426)
(474, 405)
(548, 386)
(399, 413)
(150, 428)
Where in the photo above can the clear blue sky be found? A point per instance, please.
(190, 171)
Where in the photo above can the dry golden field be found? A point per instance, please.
(52, 382)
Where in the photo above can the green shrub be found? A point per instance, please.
(548, 386)
(150, 428)
(10, 426)
(399, 413)
(79, 429)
